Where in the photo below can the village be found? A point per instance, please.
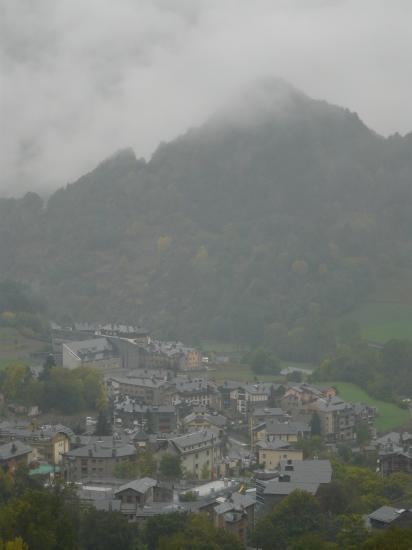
(174, 439)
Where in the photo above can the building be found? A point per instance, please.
(205, 421)
(337, 418)
(143, 352)
(145, 390)
(130, 413)
(386, 516)
(97, 353)
(236, 514)
(141, 493)
(395, 460)
(48, 443)
(247, 397)
(271, 453)
(298, 397)
(304, 475)
(14, 454)
(96, 461)
(267, 414)
(199, 451)
(130, 332)
(287, 432)
(196, 392)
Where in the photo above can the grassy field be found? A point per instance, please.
(390, 415)
(380, 321)
(244, 373)
(222, 347)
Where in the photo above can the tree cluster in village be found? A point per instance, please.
(57, 389)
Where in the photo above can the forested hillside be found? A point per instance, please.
(276, 215)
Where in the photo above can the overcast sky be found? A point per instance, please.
(80, 79)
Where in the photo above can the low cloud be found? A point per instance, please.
(80, 79)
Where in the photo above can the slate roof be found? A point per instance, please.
(268, 411)
(215, 419)
(194, 386)
(386, 514)
(302, 471)
(275, 487)
(130, 405)
(13, 449)
(139, 485)
(332, 404)
(184, 442)
(273, 445)
(135, 381)
(286, 428)
(101, 451)
(95, 348)
(25, 432)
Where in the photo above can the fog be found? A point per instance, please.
(80, 79)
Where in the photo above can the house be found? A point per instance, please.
(337, 418)
(130, 413)
(395, 460)
(14, 454)
(97, 353)
(130, 332)
(96, 461)
(236, 514)
(195, 392)
(270, 453)
(199, 451)
(140, 493)
(146, 390)
(304, 475)
(299, 396)
(365, 413)
(262, 415)
(288, 432)
(154, 354)
(386, 516)
(48, 442)
(201, 420)
(247, 397)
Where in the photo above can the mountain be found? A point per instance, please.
(276, 215)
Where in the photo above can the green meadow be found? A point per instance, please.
(390, 416)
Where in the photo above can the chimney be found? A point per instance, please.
(90, 452)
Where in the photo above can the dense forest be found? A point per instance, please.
(278, 214)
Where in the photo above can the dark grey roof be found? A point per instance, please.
(275, 487)
(302, 471)
(101, 451)
(130, 405)
(200, 386)
(215, 419)
(26, 432)
(330, 404)
(13, 449)
(184, 442)
(273, 445)
(286, 428)
(93, 349)
(268, 411)
(145, 382)
(139, 485)
(386, 514)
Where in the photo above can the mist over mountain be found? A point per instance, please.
(277, 214)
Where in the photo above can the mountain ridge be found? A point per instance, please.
(235, 231)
